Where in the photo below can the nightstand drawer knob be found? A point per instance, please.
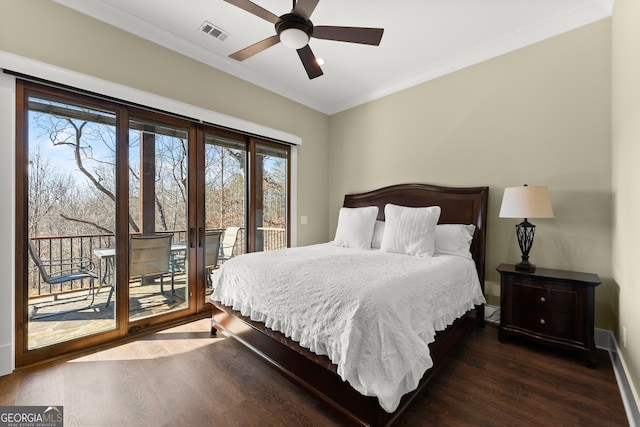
(542, 299)
(542, 322)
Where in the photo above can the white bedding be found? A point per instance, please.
(373, 313)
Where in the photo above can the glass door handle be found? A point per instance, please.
(192, 236)
(200, 237)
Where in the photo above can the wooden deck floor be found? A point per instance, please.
(184, 377)
(75, 315)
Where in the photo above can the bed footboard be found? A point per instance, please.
(317, 375)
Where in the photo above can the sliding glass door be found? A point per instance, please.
(246, 196)
(270, 197)
(157, 220)
(104, 204)
(69, 210)
(123, 214)
(225, 198)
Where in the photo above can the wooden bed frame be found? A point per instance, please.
(316, 374)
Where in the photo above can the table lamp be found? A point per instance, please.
(526, 202)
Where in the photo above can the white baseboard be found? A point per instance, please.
(605, 340)
(6, 359)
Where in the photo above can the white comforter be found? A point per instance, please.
(373, 313)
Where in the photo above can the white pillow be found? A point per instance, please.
(454, 239)
(378, 232)
(410, 231)
(355, 227)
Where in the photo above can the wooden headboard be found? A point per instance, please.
(460, 205)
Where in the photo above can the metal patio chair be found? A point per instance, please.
(229, 240)
(211, 253)
(150, 258)
(60, 271)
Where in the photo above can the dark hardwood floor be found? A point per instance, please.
(184, 377)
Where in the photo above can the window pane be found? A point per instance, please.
(225, 196)
(157, 219)
(71, 213)
(225, 185)
(271, 188)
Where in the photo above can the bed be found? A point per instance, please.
(320, 372)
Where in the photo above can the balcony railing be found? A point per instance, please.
(55, 248)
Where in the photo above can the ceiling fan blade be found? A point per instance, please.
(305, 7)
(309, 61)
(249, 51)
(362, 35)
(255, 10)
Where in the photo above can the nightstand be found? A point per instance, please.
(553, 307)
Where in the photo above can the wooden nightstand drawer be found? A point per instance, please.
(552, 307)
(550, 323)
(547, 298)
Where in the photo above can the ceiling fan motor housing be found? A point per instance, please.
(295, 29)
(291, 21)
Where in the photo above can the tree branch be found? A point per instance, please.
(82, 221)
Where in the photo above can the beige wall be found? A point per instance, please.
(539, 115)
(626, 176)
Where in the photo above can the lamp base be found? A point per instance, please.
(526, 266)
(525, 232)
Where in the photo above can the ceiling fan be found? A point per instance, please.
(294, 30)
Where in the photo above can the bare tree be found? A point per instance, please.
(82, 199)
(48, 190)
(92, 146)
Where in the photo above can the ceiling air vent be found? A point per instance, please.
(212, 30)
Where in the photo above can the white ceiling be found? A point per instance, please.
(423, 39)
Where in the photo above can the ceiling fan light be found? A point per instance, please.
(294, 38)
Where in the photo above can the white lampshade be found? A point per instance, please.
(294, 38)
(526, 202)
